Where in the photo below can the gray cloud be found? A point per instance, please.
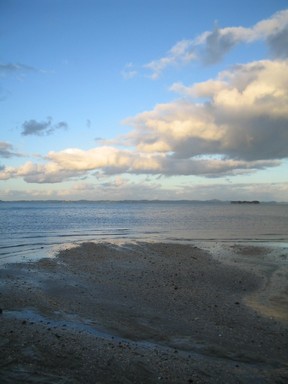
(40, 177)
(217, 45)
(213, 46)
(257, 138)
(278, 43)
(41, 128)
(244, 117)
(6, 150)
(212, 168)
(88, 123)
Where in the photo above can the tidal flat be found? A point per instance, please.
(141, 312)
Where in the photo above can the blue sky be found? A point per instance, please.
(142, 99)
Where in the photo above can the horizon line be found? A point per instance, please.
(141, 200)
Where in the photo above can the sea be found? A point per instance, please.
(30, 230)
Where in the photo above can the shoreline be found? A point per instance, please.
(269, 261)
(145, 312)
(51, 251)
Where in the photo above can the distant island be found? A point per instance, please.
(245, 202)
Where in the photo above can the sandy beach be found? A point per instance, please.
(146, 313)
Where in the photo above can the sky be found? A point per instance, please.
(144, 99)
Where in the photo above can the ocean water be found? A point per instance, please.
(30, 230)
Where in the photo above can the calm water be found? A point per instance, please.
(37, 229)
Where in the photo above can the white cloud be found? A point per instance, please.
(244, 117)
(181, 53)
(240, 127)
(74, 162)
(109, 159)
(136, 164)
(38, 173)
(211, 46)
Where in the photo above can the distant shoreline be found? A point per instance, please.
(213, 201)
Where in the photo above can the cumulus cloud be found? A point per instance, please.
(244, 117)
(74, 162)
(109, 159)
(212, 46)
(114, 161)
(239, 126)
(38, 173)
(69, 164)
(41, 128)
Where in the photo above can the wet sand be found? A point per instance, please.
(145, 313)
